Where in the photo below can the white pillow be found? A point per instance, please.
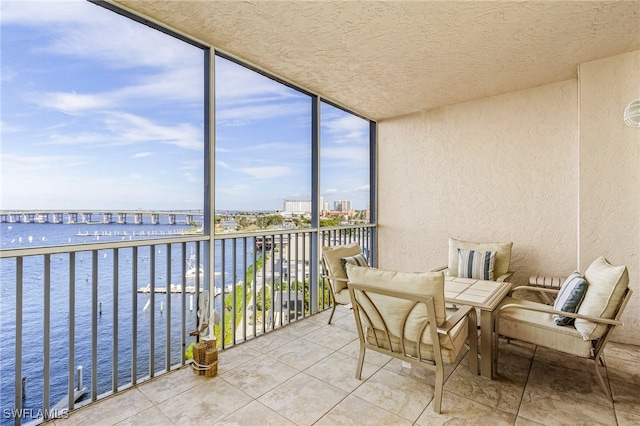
(606, 288)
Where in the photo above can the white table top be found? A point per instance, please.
(478, 293)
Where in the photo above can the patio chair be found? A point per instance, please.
(483, 261)
(333, 267)
(584, 314)
(403, 315)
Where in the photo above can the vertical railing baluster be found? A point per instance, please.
(263, 254)
(168, 315)
(280, 290)
(46, 399)
(72, 330)
(114, 354)
(152, 308)
(254, 281)
(134, 316)
(183, 302)
(94, 325)
(304, 275)
(273, 281)
(18, 389)
(197, 284)
(244, 289)
(234, 278)
(223, 260)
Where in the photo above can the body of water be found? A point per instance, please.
(117, 307)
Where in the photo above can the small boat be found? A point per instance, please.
(191, 267)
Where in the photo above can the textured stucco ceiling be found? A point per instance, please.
(389, 58)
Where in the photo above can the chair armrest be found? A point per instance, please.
(538, 289)
(458, 316)
(329, 277)
(440, 268)
(505, 277)
(513, 306)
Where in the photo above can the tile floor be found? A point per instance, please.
(303, 374)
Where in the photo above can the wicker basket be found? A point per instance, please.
(205, 358)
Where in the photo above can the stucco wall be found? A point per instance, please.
(609, 214)
(553, 169)
(498, 169)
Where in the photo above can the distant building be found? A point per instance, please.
(342, 205)
(297, 207)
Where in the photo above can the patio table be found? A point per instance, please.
(486, 296)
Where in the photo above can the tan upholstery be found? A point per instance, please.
(539, 328)
(503, 256)
(607, 285)
(335, 273)
(403, 315)
(606, 297)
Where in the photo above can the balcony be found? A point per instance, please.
(304, 374)
(82, 322)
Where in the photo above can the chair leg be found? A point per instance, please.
(604, 386)
(437, 400)
(360, 362)
(333, 309)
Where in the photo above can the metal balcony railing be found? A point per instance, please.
(114, 314)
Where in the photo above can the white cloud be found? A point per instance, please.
(266, 172)
(346, 128)
(239, 116)
(142, 155)
(70, 102)
(4, 127)
(331, 191)
(82, 29)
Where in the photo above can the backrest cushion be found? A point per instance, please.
(357, 259)
(503, 254)
(332, 259)
(569, 297)
(606, 288)
(429, 284)
(476, 264)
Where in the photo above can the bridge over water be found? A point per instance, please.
(121, 217)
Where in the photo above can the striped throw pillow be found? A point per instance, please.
(569, 297)
(476, 264)
(358, 260)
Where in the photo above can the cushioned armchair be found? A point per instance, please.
(333, 266)
(484, 261)
(403, 315)
(584, 313)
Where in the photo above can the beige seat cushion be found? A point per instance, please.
(503, 254)
(605, 290)
(429, 284)
(540, 328)
(450, 344)
(332, 257)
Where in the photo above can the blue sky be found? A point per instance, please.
(100, 112)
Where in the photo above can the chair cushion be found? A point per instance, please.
(569, 297)
(540, 328)
(357, 259)
(421, 283)
(332, 257)
(503, 254)
(476, 264)
(450, 343)
(606, 288)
